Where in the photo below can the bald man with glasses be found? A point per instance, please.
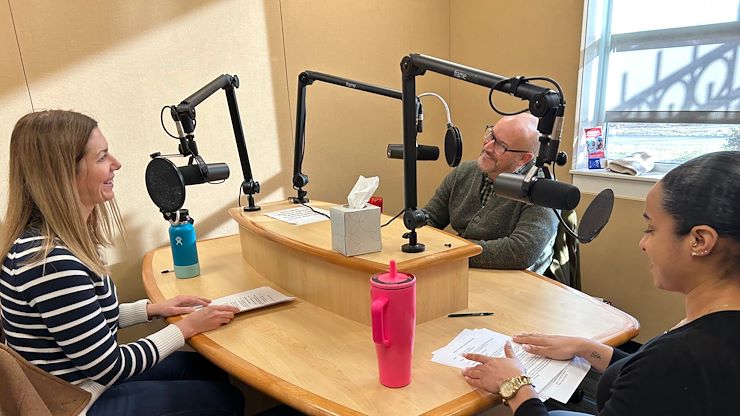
(513, 235)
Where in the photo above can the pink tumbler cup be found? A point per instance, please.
(393, 313)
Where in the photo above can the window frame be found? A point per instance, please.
(602, 44)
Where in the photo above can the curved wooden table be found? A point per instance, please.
(322, 363)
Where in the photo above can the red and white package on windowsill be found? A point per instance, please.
(596, 147)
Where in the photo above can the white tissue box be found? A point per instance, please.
(355, 231)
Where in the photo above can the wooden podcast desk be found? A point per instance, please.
(300, 260)
(323, 363)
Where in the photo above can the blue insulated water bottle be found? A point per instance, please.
(182, 242)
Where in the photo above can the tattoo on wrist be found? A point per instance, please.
(596, 355)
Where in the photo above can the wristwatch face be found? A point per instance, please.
(507, 389)
(510, 386)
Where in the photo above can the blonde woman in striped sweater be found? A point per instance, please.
(59, 305)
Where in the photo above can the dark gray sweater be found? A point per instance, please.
(513, 235)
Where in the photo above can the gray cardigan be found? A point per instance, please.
(513, 235)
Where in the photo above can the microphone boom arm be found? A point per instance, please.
(307, 78)
(544, 103)
(184, 116)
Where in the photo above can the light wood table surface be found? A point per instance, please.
(324, 364)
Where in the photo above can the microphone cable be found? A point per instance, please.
(161, 121)
(521, 79)
(391, 220)
(447, 108)
(311, 208)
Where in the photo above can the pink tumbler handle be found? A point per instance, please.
(377, 311)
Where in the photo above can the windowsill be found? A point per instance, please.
(593, 181)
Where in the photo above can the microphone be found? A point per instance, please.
(423, 152)
(553, 194)
(166, 182)
(202, 172)
(453, 148)
(533, 190)
(549, 193)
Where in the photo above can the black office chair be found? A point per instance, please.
(565, 266)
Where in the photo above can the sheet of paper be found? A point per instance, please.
(567, 381)
(253, 299)
(483, 341)
(299, 215)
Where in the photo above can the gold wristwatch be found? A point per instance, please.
(510, 386)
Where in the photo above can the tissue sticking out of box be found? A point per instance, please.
(355, 228)
(362, 191)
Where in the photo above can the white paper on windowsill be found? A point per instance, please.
(299, 215)
(551, 378)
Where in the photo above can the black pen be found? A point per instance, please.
(459, 315)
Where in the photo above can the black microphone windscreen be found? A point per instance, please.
(165, 184)
(553, 194)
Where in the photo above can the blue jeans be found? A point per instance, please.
(182, 384)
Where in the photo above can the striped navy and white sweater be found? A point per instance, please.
(63, 318)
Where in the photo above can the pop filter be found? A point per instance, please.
(165, 184)
(596, 216)
(453, 145)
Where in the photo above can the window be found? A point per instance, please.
(661, 76)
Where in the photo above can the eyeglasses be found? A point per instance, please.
(498, 147)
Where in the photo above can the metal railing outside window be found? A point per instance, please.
(661, 76)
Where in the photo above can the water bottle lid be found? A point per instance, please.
(179, 217)
(393, 277)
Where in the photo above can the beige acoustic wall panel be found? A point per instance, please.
(122, 61)
(14, 100)
(511, 38)
(347, 130)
